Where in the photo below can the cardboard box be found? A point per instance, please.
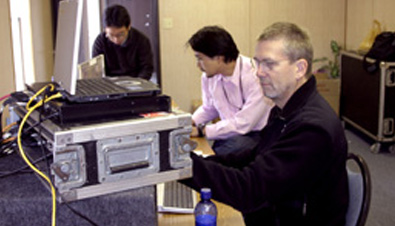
(330, 89)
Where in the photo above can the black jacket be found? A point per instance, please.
(133, 58)
(295, 176)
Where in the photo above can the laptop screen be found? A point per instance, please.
(67, 44)
(93, 68)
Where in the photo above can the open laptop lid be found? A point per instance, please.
(93, 68)
(67, 44)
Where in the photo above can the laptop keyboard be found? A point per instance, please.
(99, 86)
(178, 195)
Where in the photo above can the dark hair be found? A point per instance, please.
(214, 41)
(297, 44)
(117, 16)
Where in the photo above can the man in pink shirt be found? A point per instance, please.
(230, 92)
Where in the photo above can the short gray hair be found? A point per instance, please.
(297, 42)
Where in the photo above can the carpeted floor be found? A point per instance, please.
(24, 200)
(382, 170)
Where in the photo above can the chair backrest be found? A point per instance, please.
(359, 183)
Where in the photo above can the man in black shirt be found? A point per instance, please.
(127, 51)
(297, 173)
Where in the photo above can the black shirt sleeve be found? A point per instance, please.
(145, 58)
(98, 46)
(286, 168)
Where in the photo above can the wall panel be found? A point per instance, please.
(324, 20)
(360, 15)
(42, 39)
(7, 84)
(359, 22)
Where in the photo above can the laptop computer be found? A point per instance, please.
(174, 197)
(66, 65)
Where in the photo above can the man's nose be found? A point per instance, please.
(199, 65)
(117, 41)
(261, 71)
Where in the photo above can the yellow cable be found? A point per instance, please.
(27, 160)
(38, 93)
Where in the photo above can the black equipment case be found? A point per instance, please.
(367, 100)
(93, 159)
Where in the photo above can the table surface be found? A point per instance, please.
(226, 214)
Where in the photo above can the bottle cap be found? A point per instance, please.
(205, 193)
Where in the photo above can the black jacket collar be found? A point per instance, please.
(296, 102)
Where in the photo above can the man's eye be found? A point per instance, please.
(270, 64)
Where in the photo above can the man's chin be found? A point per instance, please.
(269, 95)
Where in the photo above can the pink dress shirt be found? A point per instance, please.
(238, 101)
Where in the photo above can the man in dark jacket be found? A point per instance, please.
(127, 51)
(297, 173)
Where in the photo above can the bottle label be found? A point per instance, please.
(206, 220)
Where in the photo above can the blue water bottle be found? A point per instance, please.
(205, 210)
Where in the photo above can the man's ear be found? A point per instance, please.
(301, 68)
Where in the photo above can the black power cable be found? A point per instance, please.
(81, 215)
(21, 169)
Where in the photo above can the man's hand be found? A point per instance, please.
(195, 132)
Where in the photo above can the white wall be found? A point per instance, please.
(6, 61)
(360, 16)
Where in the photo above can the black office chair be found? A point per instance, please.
(359, 183)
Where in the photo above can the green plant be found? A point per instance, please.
(330, 67)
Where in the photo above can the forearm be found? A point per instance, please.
(204, 114)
